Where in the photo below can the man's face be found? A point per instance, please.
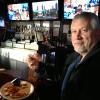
(82, 35)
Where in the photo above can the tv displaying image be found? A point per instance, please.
(18, 11)
(2, 22)
(45, 10)
(74, 7)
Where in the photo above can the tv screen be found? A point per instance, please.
(74, 7)
(18, 11)
(2, 22)
(45, 10)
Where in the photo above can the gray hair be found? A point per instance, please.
(94, 20)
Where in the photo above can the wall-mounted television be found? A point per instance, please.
(18, 11)
(74, 7)
(45, 10)
(2, 22)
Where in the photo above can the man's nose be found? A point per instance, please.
(78, 34)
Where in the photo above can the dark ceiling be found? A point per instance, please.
(6, 1)
(13, 1)
(16, 1)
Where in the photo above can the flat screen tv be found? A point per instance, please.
(2, 22)
(74, 7)
(45, 10)
(18, 11)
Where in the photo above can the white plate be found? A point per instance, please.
(26, 88)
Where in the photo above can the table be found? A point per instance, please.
(44, 89)
(8, 75)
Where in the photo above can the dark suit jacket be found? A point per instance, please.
(84, 83)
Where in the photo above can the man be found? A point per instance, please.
(83, 83)
(82, 79)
